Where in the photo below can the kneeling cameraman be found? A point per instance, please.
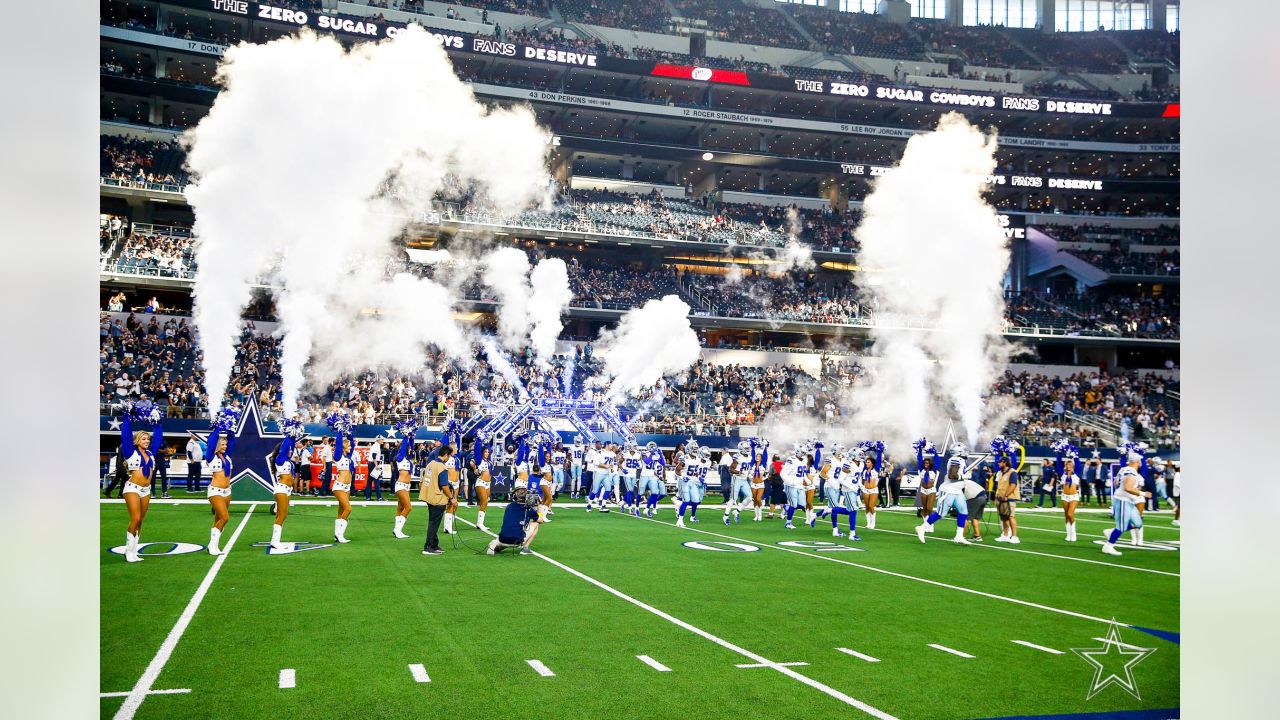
(519, 523)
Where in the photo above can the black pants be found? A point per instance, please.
(895, 490)
(724, 482)
(372, 485)
(1053, 496)
(116, 481)
(193, 477)
(1100, 490)
(436, 515)
(328, 478)
(163, 472)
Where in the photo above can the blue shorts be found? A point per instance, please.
(1126, 515)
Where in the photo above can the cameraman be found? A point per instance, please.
(516, 530)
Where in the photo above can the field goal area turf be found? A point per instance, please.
(623, 617)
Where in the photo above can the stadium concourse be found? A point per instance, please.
(723, 154)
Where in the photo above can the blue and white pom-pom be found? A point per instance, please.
(451, 427)
(340, 422)
(871, 446)
(406, 427)
(145, 412)
(225, 420)
(1131, 448)
(1065, 447)
(1001, 446)
(919, 445)
(295, 429)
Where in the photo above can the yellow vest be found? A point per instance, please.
(430, 489)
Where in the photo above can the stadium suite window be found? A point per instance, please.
(1090, 15)
(929, 9)
(1008, 13)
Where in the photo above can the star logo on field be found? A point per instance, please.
(1113, 663)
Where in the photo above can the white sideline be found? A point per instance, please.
(1041, 554)
(288, 678)
(953, 651)
(765, 662)
(904, 576)
(1034, 646)
(139, 692)
(653, 663)
(541, 669)
(858, 655)
(419, 673)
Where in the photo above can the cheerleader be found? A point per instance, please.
(454, 465)
(869, 478)
(483, 473)
(285, 471)
(927, 494)
(545, 483)
(757, 471)
(342, 464)
(1126, 497)
(404, 476)
(139, 449)
(1065, 466)
(219, 493)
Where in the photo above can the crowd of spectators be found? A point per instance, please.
(857, 33)
(1124, 262)
(141, 161)
(978, 44)
(735, 21)
(155, 254)
(1137, 403)
(720, 63)
(555, 38)
(649, 15)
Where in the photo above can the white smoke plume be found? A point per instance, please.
(941, 256)
(650, 342)
(506, 272)
(551, 297)
(317, 158)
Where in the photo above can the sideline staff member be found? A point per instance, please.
(437, 491)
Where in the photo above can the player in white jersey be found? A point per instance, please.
(577, 454)
(653, 468)
(1125, 497)
(608, 472)
(740, 484)
(841, 490)
(795, 476)
(629, 471)
(952, 495)
(819, 465)
(696, 467)
(595, 460)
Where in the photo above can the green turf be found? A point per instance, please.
(350, 619)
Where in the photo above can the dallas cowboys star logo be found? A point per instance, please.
(253, 453)
(1115, 652)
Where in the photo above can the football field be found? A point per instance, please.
(623, 617)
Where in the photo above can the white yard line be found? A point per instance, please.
(419, 673)
(953, 651)
(288, 678)
(858, 655)
(779, 667)
(174, 691)
(996, 546)
(891, 573)
(653, 663)
(1042, 648)
(140, 690)
(764, 665)
(541, 669)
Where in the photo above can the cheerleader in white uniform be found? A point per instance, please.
(404, 474)
(757, 469)
(343, 445)
(286, 469)
(140, 450)
(484, 478)
(927, 494)
(219, 492)
(453, 439)
(1065, 465)
(869, 478)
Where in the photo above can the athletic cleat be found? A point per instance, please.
(604, 510)
(525, 551)
(854, 537)
(961, 541)
(679, 522)
(1005, 538)
(789, 526)
(1014, 540)
(693, 519)
(835, 532)
(920, 531)
(726, 519)
(1176, 523)
(1109, 549)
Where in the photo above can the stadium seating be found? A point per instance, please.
(858, 33)
(650, 15)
